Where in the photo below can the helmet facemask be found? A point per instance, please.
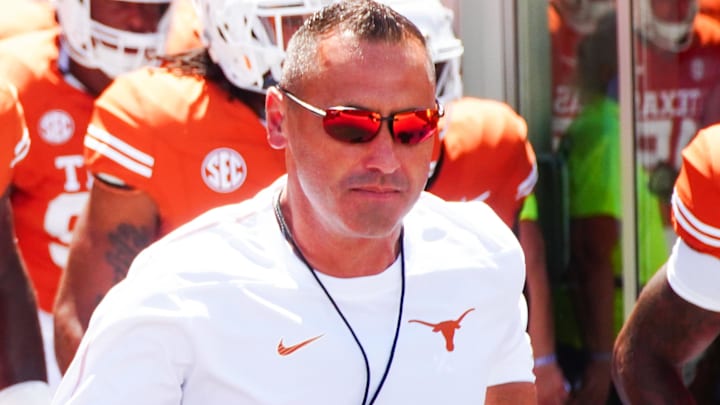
(582, 15)
(435, 22)
(97, 45)
(248, 38)
(449, 82)
(667, 24)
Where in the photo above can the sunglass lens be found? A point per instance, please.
(415, 127)
(353, 126)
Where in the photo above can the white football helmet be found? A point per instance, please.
(112, 50)
(435, 21)
(582, 15)
(669, 32)
(248, 38)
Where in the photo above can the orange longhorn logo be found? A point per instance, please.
(447, 328)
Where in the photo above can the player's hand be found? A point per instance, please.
(595, 386)
(550, 384)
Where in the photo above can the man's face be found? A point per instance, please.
(140, 18)
(363, 189)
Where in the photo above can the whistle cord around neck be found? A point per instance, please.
(288, 236)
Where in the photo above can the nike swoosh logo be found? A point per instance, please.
(287, 350)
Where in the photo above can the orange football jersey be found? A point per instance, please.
(696, 202)
(14, 138)
(20, 16)
(50, 185)
(181, 140)
(487, 156)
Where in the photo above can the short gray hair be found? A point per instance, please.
(367, 20)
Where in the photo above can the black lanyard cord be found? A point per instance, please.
(288, 236)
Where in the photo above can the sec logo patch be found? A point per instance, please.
(224, 170)
(56, 127)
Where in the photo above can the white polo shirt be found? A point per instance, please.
(223, 312)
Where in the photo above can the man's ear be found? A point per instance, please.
(274, 116)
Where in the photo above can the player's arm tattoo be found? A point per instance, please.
(126, 242)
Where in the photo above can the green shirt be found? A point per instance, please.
(592, 150)
(592, 147)
(529, 211)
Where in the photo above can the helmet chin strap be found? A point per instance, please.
(672, 36)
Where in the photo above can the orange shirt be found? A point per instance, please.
(182, 141)
(14, 138)
(487, 156)
(50, 185)
(696, 202)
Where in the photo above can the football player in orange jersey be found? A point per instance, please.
(20, 16)
(677, 315)
(569, 21)
(677, 51)
(484, 154)
(23, 379)
(58, 73)
(164, 145)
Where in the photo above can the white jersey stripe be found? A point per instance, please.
(701, 231)
(121, 146)
(112, 154)
(527, 185)
(21, 148)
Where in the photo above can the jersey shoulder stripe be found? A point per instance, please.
(697, 191)
(704, 232)
(122, 153)
(22, 148)
(528, 185)
(13, 122)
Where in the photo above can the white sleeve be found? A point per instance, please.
(26, 393)
(694, 276)
(514, 361)
(134, 352)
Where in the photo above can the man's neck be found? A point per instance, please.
(94, 80)
(339, 255)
